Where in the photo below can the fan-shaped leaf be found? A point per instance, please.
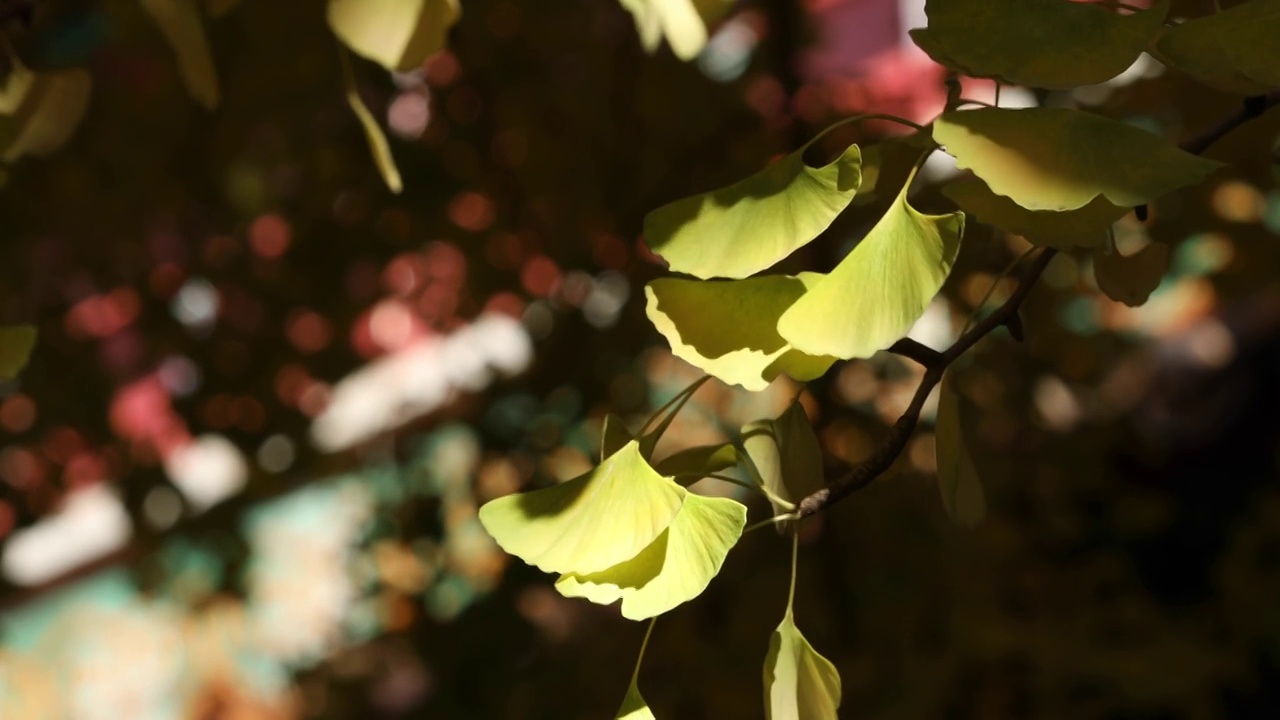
(16, 343)
(1131, 279)
(378, 147)
(1036, 43)
(799, 684)
(958, 482)
(699, 459)
(744, 228)
(887, 164)
(1061, 159)
(729, 329)
(633, 706)
(880, 288)
(397, 34)
(674, 569)
(1084, 227)
(1233, 50)
(676, 20)
(590, 523)
(786, 454)
(182, 25)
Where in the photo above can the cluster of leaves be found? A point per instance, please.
(1059, 177)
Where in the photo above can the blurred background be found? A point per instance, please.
(239, 478)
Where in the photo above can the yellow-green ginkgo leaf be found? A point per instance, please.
(378, 147)
(1237, 44)
(1061, 159)
(799, 684)
(397, 34)
(46, 109)
(958, 482)
(674, 569)
(1083, 227)
(701, 459)
(16, 343)
(887, 164)
(787, 456)
(746, 227)
(590, 523)
(1036, 43)
(1130, 279)
(182, 25)
(676, 20)
(729, 328)
(880, 289)
(633, 706)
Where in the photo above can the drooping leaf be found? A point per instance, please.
(1084, 227)
(633, 706)
(1233, 50)
(181, 24)
(698, 459)
(590, 523)
(729, 328)
(676, 20)
(786, 453)
(1061, 159)
(887, 164)
(1131, 279)
(674, 569)
(746, 227)
(799, 684)
(45, 109)
(614, 435)
(16, 343)
(397, 34)
(1037, 43)
(958, 482)
(378, 147)
(880, 289)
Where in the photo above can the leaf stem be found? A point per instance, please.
(795, 554)
(644, 645)
(992, 290)
(770, 521)
(760, 488)
(857, 119)
(678, 402)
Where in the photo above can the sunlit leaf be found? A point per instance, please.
(746, 227)
(633, 706)
(378, 147)
(674, 569)
(1083, 227)
(397, 34)
(1131, 279)
(181, 24)
(958, 482)
(729, 328)
(590, 523)
(698, 459)
(799, 684)
(614, 435)
(676, 20)
(786, 454)
(1233, 50)
(1061, 159)
(16, 343)
(880, 289)
(1036, 43)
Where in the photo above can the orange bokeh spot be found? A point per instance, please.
(472, 211)
(506, 303)
(17, 413)
(270, 236)
(540, 276)
(308, 331)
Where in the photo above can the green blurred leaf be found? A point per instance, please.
(799, 684)
(1234, 50)
(676, 20)
(633, 706)
(1131, 279)
(880, 289)
(1061, 159)
(729, 328)
(958, 482)
(45, 110)
(1036, 43)
(378, 147)
(16, 343)
(181, 24)
(1084, 227)
(590, 523)
(749, 226)
(397, 34)
(786, 454)
(698, 459)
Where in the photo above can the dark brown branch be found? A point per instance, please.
(921, 353)
(1251, 108)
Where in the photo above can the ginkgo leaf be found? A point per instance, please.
(397, 34)
(729, 328)
(799, 684)
(1061, 159)
(887, 164)
(614, 435)
(1036, 43)
(1083, 227)
(1233, 50)
(699, 459)
(633, 706)
(181, 24)
(674, 569)
(1130, 279)
(880, 289)
(46, 109)
(676, 20)
(16, 343)
(590, 523)
(746, 227)
(787, 456)
(378, 147)
(958, 482)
